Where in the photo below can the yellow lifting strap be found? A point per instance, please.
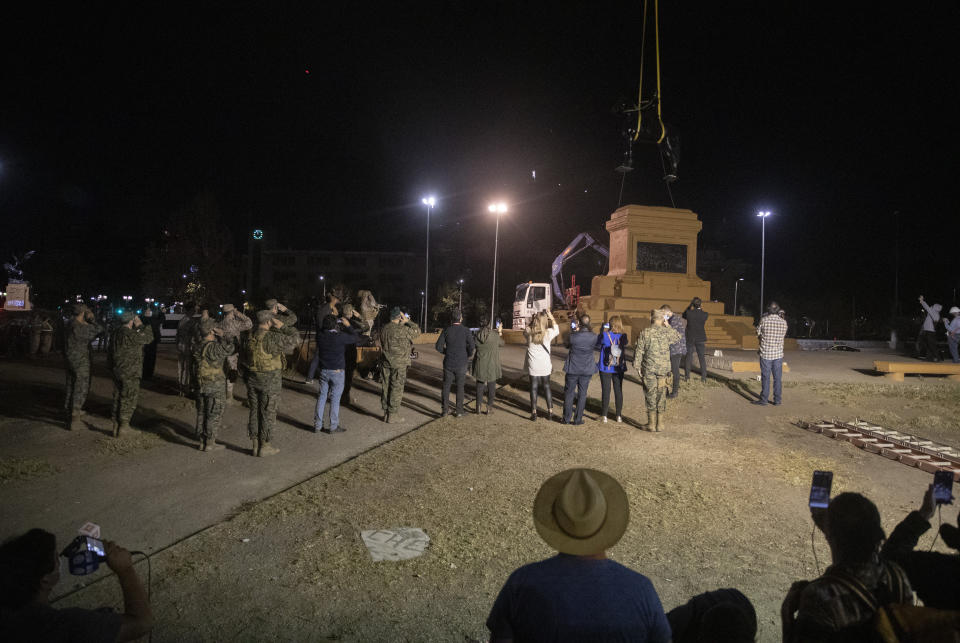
(643, 49)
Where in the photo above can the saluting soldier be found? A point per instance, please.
(80, 331)
(209, 357)
(396, 340)
(233, 323)
(263, 363)
(652, 361)
(126, 361)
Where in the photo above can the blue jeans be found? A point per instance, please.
(331, 385)
(952, 345)
(768, 366)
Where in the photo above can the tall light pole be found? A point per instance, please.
(423, 305)
(460, 305)
(428, 201)
(324, 284)
(498, 209)
(763, 251)
(736, 287)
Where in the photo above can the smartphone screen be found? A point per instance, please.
(820, 489)
(942, 487)
(573, 325)
(96, 546)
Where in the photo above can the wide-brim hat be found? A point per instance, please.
(581, 511)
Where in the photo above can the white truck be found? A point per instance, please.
(532, 297)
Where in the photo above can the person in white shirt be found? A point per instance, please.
(541, 330)
(953, 333)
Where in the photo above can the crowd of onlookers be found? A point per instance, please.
(875, 589)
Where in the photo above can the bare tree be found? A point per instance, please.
(193, 260)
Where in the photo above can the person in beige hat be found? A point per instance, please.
(579, 594)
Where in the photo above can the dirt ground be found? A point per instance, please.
(717, 500)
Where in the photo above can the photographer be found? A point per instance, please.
(579, 369)
(29, 570)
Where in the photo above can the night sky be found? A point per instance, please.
(310, 120)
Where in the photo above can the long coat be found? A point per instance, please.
(486, 363)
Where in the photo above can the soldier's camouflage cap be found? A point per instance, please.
(228, 308)
(263, 316)
(270, 303)
(396, 312)
(207, 326)
(76, 309)
(348, 310)
(127, 316)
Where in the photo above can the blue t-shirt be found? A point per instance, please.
(568, 598)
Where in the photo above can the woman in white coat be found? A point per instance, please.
(541, 330)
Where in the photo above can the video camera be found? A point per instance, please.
(84, 555)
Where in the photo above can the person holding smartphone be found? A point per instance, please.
(579, 368)
(538, 363)
(29, 570)
(935, 576)
(612, 365)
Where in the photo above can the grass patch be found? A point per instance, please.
(12, 469)
(847, 393)
(135, 441)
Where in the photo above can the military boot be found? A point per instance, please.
(254, 446)
(115, 429)
(210, 444)
(266, 449)
(122, 428)
(386, 418)
(660, 424)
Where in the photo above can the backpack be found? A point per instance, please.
(900, 622)
(613, 356)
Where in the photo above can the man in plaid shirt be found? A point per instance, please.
(771, 331)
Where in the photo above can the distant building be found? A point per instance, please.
(395, 278)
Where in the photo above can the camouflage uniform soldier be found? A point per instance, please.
(396, 338)
(209, 357)
(184, 353)
(652, 360)
(263, 363)
(233, 323)
(80, 331)
(126, 361)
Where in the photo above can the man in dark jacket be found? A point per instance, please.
(457, 345)
(155, 322)
(934, 576)
(579, 367)
(330, 348)
(696, 318)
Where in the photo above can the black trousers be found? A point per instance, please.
(575, 386)
(675, 369)
(460, 376)
(491, 388)
(616, 381)
(700, 348)
(536, 382)
(929, 344)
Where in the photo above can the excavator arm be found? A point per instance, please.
(584, 241)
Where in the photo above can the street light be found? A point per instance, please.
(763, 251)
(428, 201)
(736, 287)
(423, 307)
(498, 209)
(460, 306)
(324, 284)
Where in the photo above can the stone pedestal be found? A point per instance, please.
(653, 261)
(18, 297)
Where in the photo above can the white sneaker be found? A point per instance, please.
(619, 419)
(604, 419)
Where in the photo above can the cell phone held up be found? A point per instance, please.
(820, 489)
(84, 555)
(943, 487)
